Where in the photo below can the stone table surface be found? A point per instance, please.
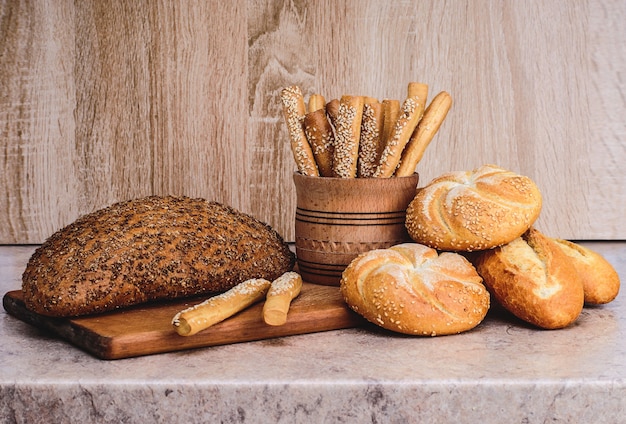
(503, 371)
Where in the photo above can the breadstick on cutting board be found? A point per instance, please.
(320, 135)
(410, 114)
(370, 142)
(347, 135)
(422, 136)
(294, 110)
(316, 101)
(418, 89)
(217, 308)
(278, 300)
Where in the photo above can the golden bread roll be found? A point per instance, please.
(534, 280)
(600, 280)
(410, 288)
(150, 249)
(474, 210)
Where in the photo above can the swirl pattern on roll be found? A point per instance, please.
(473, 210)
(410, 288)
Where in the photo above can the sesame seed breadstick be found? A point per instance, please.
(332, 110)
(410, 114)
(217, 308)
(294, 110)
(422, 136)
(418, 89)
(321, 138)
(282, 291)
(370, 142)
(391, 111)
(347, 135)
(316, 101)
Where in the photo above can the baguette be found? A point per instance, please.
(319, 133)
(347, 135)
(282, 291)
(426, 129)
(217, 308)
(410, 114)
(294, 110)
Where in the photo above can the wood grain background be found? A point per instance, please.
(103, 101)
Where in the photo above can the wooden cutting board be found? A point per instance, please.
(147, 329)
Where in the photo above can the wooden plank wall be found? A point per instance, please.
(106, 101)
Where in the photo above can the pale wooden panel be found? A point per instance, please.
(607, 118)
(37, 172)
(105, 102)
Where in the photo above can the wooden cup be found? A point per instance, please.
(339, 218)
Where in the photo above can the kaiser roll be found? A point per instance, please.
(410, 288)
(473, 210)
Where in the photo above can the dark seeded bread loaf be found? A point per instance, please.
(150, 249)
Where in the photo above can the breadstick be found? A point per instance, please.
(347, 135)
(320, 135)
(418, 89)
(294, 110)
(411, 113)
(217, 308)
(332, 109)
(391, 111)
(422, 136)
(282, 291)
(316, 101)
(370, 142)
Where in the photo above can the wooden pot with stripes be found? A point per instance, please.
(339, 218)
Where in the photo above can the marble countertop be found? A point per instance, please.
(502, 371)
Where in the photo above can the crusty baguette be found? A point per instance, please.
(410, 114)
(473, 210)
(154, 248)
(422, 136)
(282, 291)
(217, 308)
(600, 280)
(294, 110)
(371, 135)
(320, 135)
(347, 135)
(534, 280)
(410, 288)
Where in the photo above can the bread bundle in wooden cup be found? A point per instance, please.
(410, 288)
(534, 279)
(473, 210)
(150, 249)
